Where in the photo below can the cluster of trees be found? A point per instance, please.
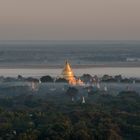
(49, 79)
(103, 117)
(86, 78)
(107, 78)
(119, 78)
(43, 79)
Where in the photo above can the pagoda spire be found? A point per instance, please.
(68, 73)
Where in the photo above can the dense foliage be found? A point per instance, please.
(103, 117)
(46, 79)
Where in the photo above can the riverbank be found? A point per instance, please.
(49, 66)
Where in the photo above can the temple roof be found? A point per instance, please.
(67, 67)
(67, 71)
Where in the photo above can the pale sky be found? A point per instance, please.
(69, 19)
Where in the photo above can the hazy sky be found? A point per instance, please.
(70, 19)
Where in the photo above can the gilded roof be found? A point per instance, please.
(67, 71)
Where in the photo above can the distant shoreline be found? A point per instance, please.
(76, 66)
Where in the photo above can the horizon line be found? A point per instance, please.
(12, 40)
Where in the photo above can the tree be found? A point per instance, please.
(31, 79)
(114, 136)
(86, 78)
(29, 135)
(72, 92)
(46, 79)
(81, 131)
(61, 80)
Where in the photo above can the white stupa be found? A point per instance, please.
(105, 88)
(98, 85)
(83, 100)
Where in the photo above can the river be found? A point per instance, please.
(99, 71)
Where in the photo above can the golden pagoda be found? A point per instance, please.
(68, 74)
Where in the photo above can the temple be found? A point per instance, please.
(69, 75)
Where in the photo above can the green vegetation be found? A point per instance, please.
(46, 79)
(61, 80)
(103, 117)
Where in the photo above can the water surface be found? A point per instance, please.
(37, 72)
